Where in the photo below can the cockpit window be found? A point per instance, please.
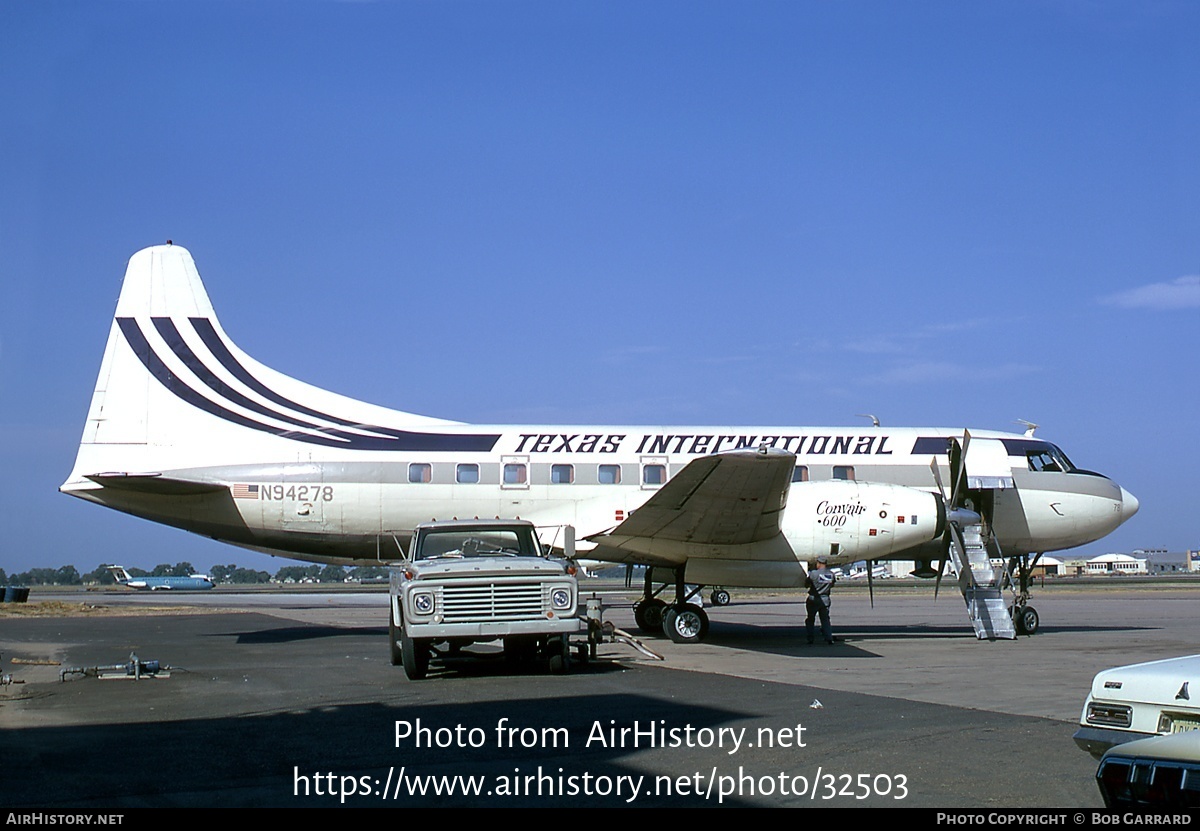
(1040, 455)
(1043, 456)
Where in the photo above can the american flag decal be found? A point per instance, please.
(900, 518)
(245, 491)
(873, 532)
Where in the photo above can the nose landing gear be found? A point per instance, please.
(1025, 617)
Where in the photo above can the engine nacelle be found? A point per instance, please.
(848, 521)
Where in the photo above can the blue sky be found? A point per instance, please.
(946, 214)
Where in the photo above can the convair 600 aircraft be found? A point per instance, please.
(186, 429)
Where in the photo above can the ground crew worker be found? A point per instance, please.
(820, 583)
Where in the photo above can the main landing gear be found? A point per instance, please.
(682, 621)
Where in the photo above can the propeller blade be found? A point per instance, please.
(958, 471)
(937, 477)
(938, 583)
(871, 582)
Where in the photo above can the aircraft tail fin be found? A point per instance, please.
(119, 574)
(175, 393)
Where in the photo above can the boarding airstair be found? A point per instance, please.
(978, 470)
(982, 584)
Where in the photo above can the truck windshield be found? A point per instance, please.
(477, 542)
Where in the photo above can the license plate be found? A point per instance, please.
(1183, 725)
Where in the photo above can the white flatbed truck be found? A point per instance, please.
(473, 581)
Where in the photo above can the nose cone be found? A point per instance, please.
(1129, 505)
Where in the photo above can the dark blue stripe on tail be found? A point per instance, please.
(386, 439)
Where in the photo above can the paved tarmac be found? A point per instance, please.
(282, 699)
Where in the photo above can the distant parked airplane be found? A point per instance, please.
(194, 583)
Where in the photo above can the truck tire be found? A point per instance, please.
(519, 649)
(394, 642)
(414, 655)
(559, 657)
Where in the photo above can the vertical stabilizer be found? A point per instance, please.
(175, 393)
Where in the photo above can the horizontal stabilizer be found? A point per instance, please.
(154, 483)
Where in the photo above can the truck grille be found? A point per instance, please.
(494, 601)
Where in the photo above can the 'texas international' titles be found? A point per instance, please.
(701, 444)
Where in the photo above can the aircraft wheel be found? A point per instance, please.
(393, 640)
(1026, 618)
(414, 655)
(648, 614)
(719, 597)
(685, 624)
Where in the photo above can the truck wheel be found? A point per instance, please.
(415, 657)
(685, 624)
(560, 660)
(520, 648)
(648, 614)
(394, 642)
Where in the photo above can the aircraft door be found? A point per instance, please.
(988, 467)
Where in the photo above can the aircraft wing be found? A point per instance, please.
(728, 499)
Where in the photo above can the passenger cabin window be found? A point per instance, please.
(654, 474)
(800, 474)
(420, 473)
(467, 474)
(515, 474)
(845, 472)
(609, 475)
(562, 474)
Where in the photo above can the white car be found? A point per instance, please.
(1141, 700)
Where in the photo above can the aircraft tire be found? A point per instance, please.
(648, 614)
(1027, 621)
(719, 597)
(687, 623)
(414, 655)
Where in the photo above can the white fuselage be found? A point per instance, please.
(186, 429)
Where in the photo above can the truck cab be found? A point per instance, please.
(472, 581)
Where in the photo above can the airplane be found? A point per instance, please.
(196, 582)
(186, 429)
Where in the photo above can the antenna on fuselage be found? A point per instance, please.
(874, 420)
(1030, 427)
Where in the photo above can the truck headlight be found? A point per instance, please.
(423, 603)
(561, 598)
